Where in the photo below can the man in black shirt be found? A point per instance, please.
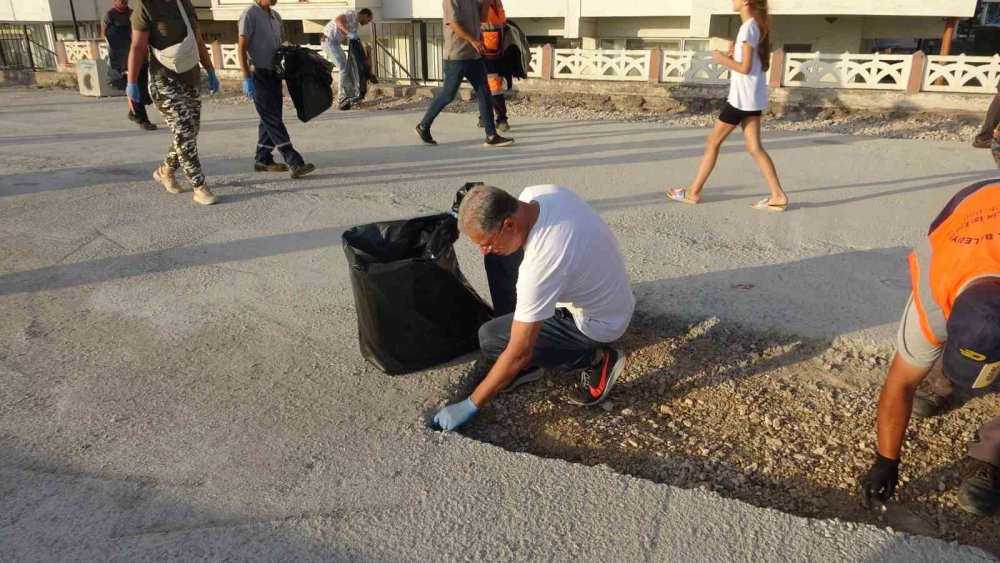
(117, 29)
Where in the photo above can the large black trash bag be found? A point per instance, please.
(356, 75)
(308, 77)
(415, 308)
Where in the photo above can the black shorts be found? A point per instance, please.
(734, 116)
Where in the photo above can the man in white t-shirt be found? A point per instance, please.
(344, 26)
(574, 298)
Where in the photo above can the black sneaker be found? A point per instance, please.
(596, 382)
(301, 170)
(979, 492)
(927, 404)
(526, 376)
(498, 141)
(982, 143)
(425, 136)
(503, 126)
(145, 125)
(480, 124)
(131, 117)
(272, 166)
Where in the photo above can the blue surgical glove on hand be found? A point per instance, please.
(213, 82)
(248, 87)
(132, 91)
(453, 416)
(352, 35)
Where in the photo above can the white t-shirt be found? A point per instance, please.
(748, 92)
(571, 258)
(334, 34)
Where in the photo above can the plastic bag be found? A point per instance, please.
(415, 308)
(309, 79)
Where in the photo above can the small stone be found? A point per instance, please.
(666, 411)
(743, 410)
(607, 406)
(627, 412)
(688, 402)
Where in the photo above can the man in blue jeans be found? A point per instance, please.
(463, 51)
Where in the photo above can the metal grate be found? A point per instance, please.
(22, 47)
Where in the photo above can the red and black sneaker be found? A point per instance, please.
(596, 382)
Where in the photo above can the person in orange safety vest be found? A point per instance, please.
(948, 340)
(494, 31)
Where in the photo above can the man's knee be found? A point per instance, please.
(494, 336)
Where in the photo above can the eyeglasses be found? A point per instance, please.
(488, 248)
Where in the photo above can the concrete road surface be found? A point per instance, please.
(184, 381)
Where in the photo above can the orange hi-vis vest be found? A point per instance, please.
(493, 29)
(963, 244)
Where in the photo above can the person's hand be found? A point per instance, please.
(213, 81)
(478, 46)
(455, 415)
(880, 482)
(248, 87)
(718, 57)
(352, 35)
(133, 93)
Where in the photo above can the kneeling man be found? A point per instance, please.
(573, 297)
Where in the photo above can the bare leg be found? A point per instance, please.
(712, 146)
(751, 134)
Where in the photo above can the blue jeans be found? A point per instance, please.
(474, 71)
(339, 59)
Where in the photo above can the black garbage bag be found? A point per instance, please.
(415, 308)
(356, 75)
(308, 77)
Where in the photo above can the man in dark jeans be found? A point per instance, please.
(261, 32)
(117, 29)
(463, 51)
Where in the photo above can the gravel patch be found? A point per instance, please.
(774, 421)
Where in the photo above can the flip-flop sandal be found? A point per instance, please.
(766, 205)
(681, 196)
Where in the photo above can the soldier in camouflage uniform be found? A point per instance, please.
(160, 24)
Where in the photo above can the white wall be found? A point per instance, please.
(644, 27)
(25, 10)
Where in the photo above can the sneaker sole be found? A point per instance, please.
(530, 377)
(612, 379)
(429, 144)
(498, 145)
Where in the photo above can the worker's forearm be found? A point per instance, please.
(460, 31)
(244, 63)
(506, 368)
(136, 56)
(894, 408)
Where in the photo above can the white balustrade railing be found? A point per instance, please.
(534, 69)
(598, 64)
(960, 73)
(870, 72)
(692, 66)
(77, 51)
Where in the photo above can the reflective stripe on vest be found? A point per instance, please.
(964, 244)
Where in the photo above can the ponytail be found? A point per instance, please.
(759, 11)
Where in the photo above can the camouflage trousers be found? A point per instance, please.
(180, 105)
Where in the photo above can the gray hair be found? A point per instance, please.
(484, 209)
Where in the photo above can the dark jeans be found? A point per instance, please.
(137, 111)
(500, 108)
(992, 120)
(560, 343)
(271, 133)
(986, 445)
(454, 71)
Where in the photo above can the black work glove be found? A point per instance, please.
(880, 482)
(460, 195)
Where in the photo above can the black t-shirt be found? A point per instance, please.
(118, 32)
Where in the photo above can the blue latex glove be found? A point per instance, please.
(213, 82)
(352, 35)
(132, 91)
(248, 87)
(455, 415)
